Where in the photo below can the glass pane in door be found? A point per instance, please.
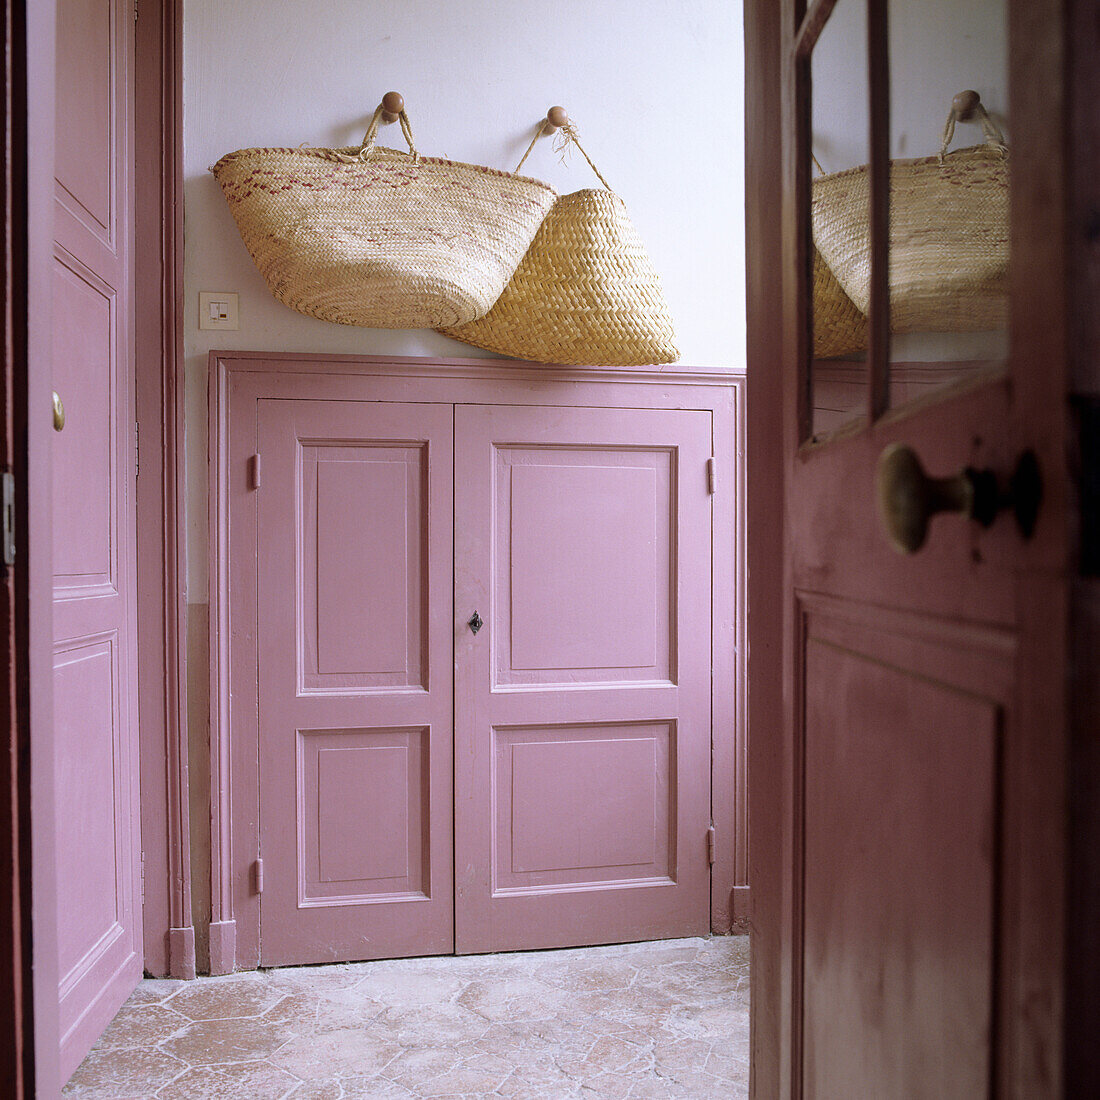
(840, 249)
(949, 240)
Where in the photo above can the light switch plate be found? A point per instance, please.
(219, 309)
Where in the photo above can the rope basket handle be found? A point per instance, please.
(366, 147)
(967, 107)
(557, 119)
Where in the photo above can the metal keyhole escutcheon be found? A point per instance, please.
(475, 622)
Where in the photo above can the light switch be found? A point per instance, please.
(218, 310)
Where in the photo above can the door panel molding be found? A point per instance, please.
(241, 379)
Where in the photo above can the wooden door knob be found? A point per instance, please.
(908, 498)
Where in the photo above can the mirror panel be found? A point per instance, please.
(949, 240)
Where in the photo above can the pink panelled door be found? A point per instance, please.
(355, 685)
(556, 761)
(582, 713)
(98, 860)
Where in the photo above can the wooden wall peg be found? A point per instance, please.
(556, 118)
(393, 103)
(966, 105)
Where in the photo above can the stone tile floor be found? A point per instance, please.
(664, 1019)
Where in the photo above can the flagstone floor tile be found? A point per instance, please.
(630, 1021)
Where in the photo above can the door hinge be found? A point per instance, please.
(258, 876)
(712, 475)
(254, 471)
(137, 448)
(710, 845)
(135, 10)
(9, 518)
(142, 878)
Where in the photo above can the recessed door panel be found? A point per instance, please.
(581, 570)
(85, 372)
(91, 787)
(901, 778)
(361, 540)
(583, 806)
(90, 61)
(364, 809)
(583, 720)
(353, 522)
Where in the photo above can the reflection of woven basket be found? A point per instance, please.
(375, 237)
(839, 328)
(948, 239)
(585, 293)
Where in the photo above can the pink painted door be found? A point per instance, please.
(909, 907)
(95, 697)
(355, 683)
(582, 705)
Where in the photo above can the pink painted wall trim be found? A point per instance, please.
(169, 937)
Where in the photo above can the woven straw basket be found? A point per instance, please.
(380, 238)
(948, 237)
(585, 294)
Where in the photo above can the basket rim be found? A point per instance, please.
(338, 155)
(934, 158)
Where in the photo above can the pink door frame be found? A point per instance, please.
(239, 379)
(162, 597)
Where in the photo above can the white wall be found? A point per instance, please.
(655, 87)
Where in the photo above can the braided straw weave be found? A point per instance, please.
(585, 294)
(948, 237)
(839, 328)
(380, 238)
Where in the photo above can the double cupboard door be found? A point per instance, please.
(482, 676)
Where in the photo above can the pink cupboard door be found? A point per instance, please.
(96, 768)
(354, 640)
(583, 720)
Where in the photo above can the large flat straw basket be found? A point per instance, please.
(381, 238)
(585, 294)
(949, 247)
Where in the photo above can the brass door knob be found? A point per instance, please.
(58, 412)
(908, 498)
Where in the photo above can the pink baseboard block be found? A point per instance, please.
(223, 946)
(181, 953)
